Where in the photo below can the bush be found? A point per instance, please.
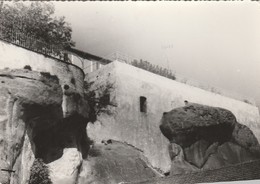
(28, 67)
(98, 99)
(39, 173)
(154, 69)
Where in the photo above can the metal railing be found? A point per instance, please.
(29, 42)
(118, 56)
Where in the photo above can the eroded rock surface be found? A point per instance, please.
(20, 90)
(34, 124)
(203, 137)
(114, 162)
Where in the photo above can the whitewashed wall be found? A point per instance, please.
(14, 57)
(142, 129)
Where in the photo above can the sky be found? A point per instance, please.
(215, 43)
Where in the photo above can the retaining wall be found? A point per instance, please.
(15, 57)
(142, 129)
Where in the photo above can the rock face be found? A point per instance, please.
(203, 137)
(40, 118)
(21, 91)
(115, 162)
(46, 119)
(33, 125)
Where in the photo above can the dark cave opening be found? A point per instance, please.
(50, 133)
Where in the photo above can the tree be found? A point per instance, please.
(37, 20)
(98, 99)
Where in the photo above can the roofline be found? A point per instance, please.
(87, 56)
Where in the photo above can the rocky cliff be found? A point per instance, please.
(23, 95)
(33, 125)
(43, 132)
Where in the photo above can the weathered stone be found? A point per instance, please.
(208, 138)
(20, 90)
(188, 124)
(243, 136)
(179, 164)
(34, 125)
(198, 153)
(114, 162)
(23, 163)
(65, 169)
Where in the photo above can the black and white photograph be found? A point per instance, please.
(129, 92)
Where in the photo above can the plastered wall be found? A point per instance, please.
(15, 57)
(142, 129)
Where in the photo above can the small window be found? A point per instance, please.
(143, 104)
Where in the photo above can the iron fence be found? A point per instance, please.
(20, 39)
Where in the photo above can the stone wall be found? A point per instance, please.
(140, 129)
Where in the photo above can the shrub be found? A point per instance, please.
(154, 69)
(28, 67)
(39, 173)
(98, 99)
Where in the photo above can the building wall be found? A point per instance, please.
(14, 57)
(86, 65)
(142, 129)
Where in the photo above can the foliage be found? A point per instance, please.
(28, 67)
(37, 20)
(154, 68)
(98, 98)
(39, 173)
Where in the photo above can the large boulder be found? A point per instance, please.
(203, 137)
(114, 162)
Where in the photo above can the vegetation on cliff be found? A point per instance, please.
(39, 173)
